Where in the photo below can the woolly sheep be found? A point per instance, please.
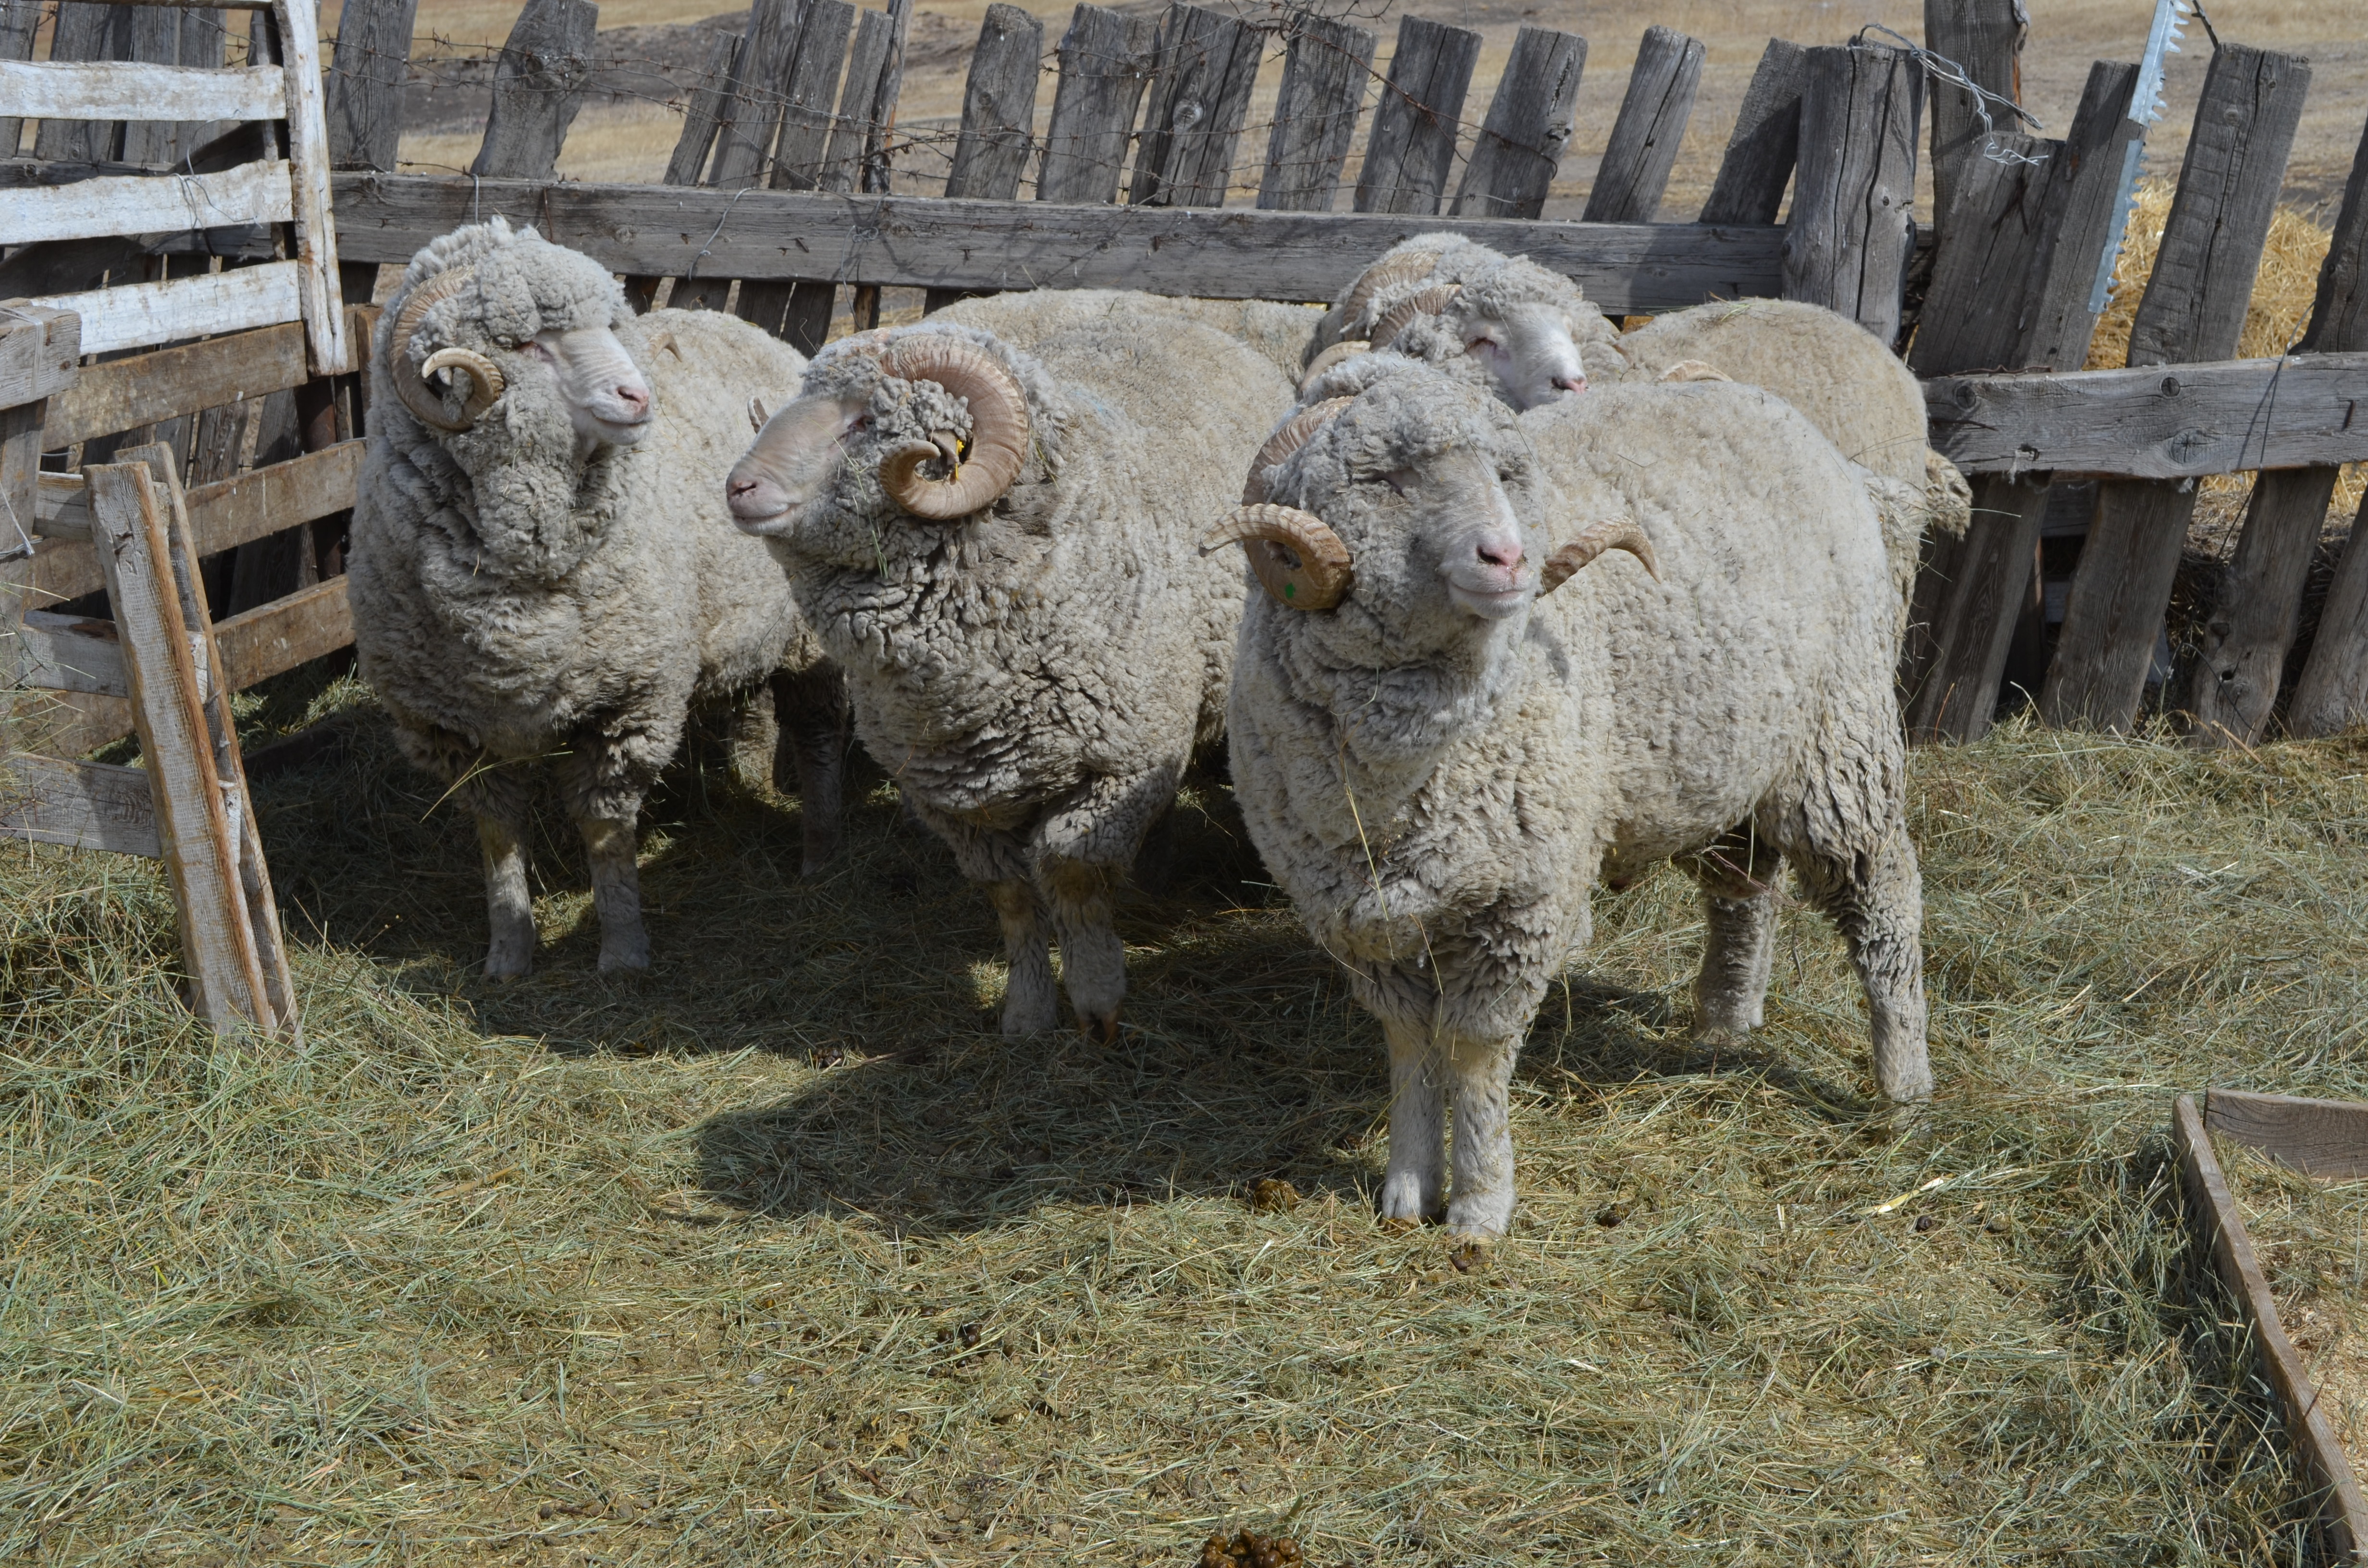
(1280, 332)
(1507, 325)
(1436, 762)
(997, 548)
(544, 567)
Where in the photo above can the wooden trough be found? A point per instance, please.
(2318, 1138)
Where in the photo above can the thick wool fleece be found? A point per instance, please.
(1858, 393)
(1437, 793)
(1023, 318)
(1491, 281)
(1035, 676)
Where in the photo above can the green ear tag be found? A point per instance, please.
(1291, 590)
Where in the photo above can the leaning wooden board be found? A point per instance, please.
(2329, 1134)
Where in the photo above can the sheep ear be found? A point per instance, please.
(758, 414)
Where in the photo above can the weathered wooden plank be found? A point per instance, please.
(316, 236)
(1529, 126)
(128, 90)
(252, 193)
(1326, 65)
(1765, 143)
(1984, 37)
(750, 118)
(538, 82)
(1956, 694)
(279, 636)
(84, 805)
(364, 94)
(39, 346)
(998, 107)
(2332, 694)
(18, 18)
(124, 393)
(2244, 644)
(842, 165)
(65, 652)
(1106, 60)
(192, 828)
(1986, 261)
(883, 118)
(2156, 423)
(1634, 172)
(1412, 145)
(703, 113)
(2320, 1137)
(799, 313)
(86, 32)
(1847, 243)
(1200, 96)
(2193, 309)
(1232, 253)
(2212, 1209)
(138, 314)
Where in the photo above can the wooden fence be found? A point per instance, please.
(783, 201)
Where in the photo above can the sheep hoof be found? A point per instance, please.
(504, 963)
(1100, 1029)
(1482, 1218)
(1405, 1201)
(625, 956)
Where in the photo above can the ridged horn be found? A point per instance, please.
(1694, 370)
(1294, 434)
(999, 438)
(1428, 303)
(413, 393)
(485, 380)
(1617, 534)
(1411, 268)
(1296, 555)
(1346, 348)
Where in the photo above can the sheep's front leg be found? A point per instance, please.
(1737, 875)
(1084, 899)
(1877, 900)
(1028, 1003)
(1415, 1186)
(607, 777)
(809, 749)
(509, 903)
(1480, 1077)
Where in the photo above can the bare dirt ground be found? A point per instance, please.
(629, 135)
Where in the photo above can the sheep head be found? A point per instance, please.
(1403, 510)
(936, 417)
(1514, 324)
(519, 319)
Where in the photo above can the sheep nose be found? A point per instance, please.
(755, 497)
(636, 397)
(1503, 554)
(1570, 383)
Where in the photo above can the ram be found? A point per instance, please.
(545, 577)
(1451, 727)
(998, 547)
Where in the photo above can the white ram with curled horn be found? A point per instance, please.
(545, 577)
(998, 547)
(1500, 658)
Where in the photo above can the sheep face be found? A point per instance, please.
(1527, 349)
(1427, 486)
(531, 328)
(890, 428)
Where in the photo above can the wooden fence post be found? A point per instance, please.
(1652, 126)
(538, 87)
(1200, 97)
(1529, 122)
(1325, 69)
(1106, 59)
(2193, 309)
(998, 117)
(1766, 142)
(799, 311)
(1984, 37)
(371, 62)
(85, 32)
(1412, 145)
(1850, 236)
(2011, 285)
(879, 119)
(17, 21)
(2245, 647)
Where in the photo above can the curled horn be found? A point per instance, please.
(758, 414)
(485, 380)
(1346, 348)
(1279, 447)
(1411, 268)
(412, 392)
(998, 441)
(1431, 301)
(1617, 534)
(1296, 555)
(1694, 370)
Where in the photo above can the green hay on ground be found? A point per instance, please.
(781, 1254)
